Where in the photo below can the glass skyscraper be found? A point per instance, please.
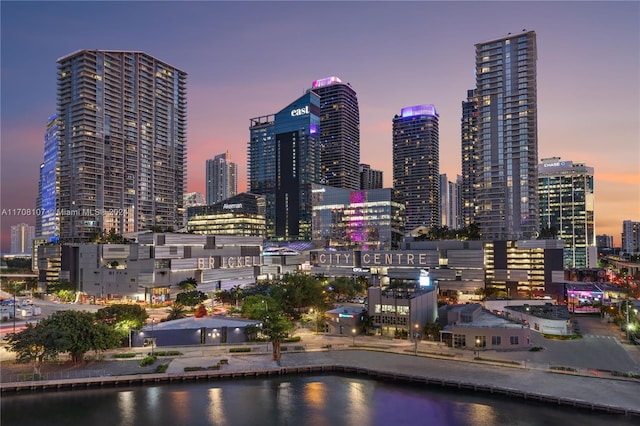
(284, 161)
(507, 146)
(123, 122)
(416, 165)
(47, 221)
(339, 133)
(566, 193)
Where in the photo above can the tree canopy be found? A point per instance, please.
(123, 318)
(72, 332)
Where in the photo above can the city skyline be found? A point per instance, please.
(393, 55)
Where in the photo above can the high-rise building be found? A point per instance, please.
(566, 194)
(370, 178)
(284, 160)
(47, 221)
(604, 242)
(22, 236)
(507, 146)
(630, 237)
(470, 159)
(122, 129)
(449, 207)
(339, 133)
(222, 178)
(416, 165)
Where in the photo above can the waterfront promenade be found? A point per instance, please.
(393, 362)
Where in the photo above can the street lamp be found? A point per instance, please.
(416, 335)
(353, 332)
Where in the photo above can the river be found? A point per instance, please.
(319, 400)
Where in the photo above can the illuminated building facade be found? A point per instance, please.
(507, 145)
(522, 268)
(243, 214)
(284, 161)
(339, 136)
(416, 164)
(566, 192)
(47, 221)
(122, 120)
(366, 220)
(470, 159)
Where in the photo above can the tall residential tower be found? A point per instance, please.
(470, 159)
(222, 178)
(123, 123)
(416, 165)
(339, 133)
(507, 146)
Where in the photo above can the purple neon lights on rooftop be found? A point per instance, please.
(412, 111)
(325, 82)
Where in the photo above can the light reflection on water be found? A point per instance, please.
(297, 400)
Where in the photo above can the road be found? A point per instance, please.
(601, 346)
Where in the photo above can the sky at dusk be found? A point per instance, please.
(248, 59)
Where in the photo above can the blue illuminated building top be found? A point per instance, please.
(415, 110)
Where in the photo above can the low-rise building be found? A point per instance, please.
(545, 319)
(207, 331)
(471, 327)
(344, 320)
(396, 312)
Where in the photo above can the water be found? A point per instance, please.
(298, 400)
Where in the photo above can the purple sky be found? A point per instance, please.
(247, 59)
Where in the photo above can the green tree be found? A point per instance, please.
(188, 284)
(31, 345)
(123, 318)
(277, 328)
(190, 298)
(176, 311)
(72, 332)
(431, 331)
(257, 306)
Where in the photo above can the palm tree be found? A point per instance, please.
(176, 311)
(188, 284)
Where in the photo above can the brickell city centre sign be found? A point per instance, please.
(376, 259)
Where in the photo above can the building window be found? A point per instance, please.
(513, 340)
(496, 341)
(480, 341)
(459, 340)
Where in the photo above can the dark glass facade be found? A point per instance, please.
(339, 133)
(416, 164)
(284, 160)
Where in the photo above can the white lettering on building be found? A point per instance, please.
(300, 111)
(232, 206)
(227, 262)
